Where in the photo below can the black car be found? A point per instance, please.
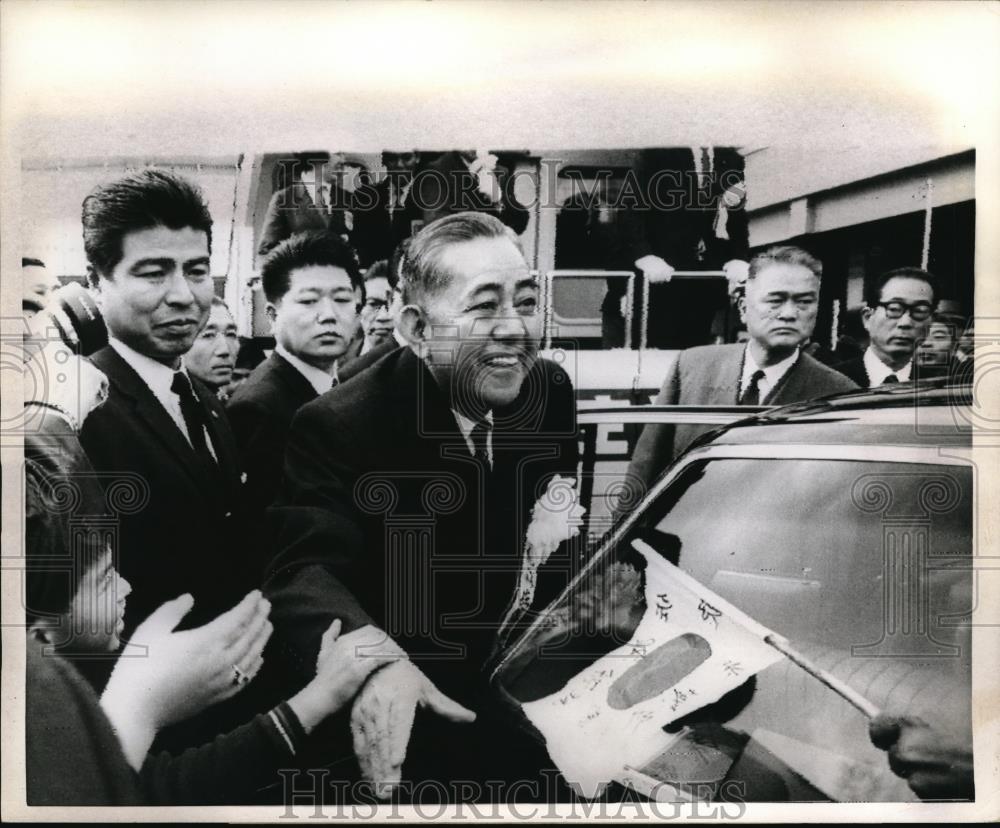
(845, 525)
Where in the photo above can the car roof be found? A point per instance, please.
(928, 413)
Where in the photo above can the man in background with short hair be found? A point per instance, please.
(899, 305)
(313, 289)
(391, 276)
(779, 308)
(213, 355)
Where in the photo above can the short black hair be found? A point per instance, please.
(381, 269)
(873, 289)
(305, 250)
(27, 262)
(139, 201)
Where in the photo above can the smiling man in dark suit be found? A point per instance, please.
(147, 238)
(779, 308)
(406, 496)
(313, 289)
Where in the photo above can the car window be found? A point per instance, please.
(823, 552)
(805, 546)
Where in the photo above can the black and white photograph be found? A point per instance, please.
(501, 411)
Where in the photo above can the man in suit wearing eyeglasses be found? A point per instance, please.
(898, 314)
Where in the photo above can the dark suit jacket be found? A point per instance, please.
(391, 430)
(446, 186)
(367, 359)
(710, 376)
(178, 522)
(261, 413)
(292, 210)
(854, 370)
(377, 234)
(384, 517)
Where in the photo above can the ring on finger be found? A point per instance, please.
(239, 677)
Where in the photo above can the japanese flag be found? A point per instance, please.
(690, 649)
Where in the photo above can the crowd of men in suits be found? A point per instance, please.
(390, 494)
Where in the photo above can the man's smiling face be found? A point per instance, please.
(484, 326)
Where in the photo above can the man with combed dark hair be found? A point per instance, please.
(406, 495)
(779, 308)
(147, 238)
(897, 315)
(313, 289)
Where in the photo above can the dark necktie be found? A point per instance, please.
(194, 417)
(480, 435)
(892, 379)
(751, 395)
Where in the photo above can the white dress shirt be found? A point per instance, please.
(878, 371)
(465, 425)
(318, 378)
(772, 373)
(159, 378)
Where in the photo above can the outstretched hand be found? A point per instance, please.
(382, 718)
(934, 763)
(163, 676)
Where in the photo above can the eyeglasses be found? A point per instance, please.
(918, 312)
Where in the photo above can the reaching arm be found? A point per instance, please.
(317, 534)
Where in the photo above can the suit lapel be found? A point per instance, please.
(791, 387)
(288, 375)
(149, 410)
(432, 441)
(726, 380)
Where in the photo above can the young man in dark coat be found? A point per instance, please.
(161, 441)
(313, 289)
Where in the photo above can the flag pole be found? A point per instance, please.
(838, 686)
